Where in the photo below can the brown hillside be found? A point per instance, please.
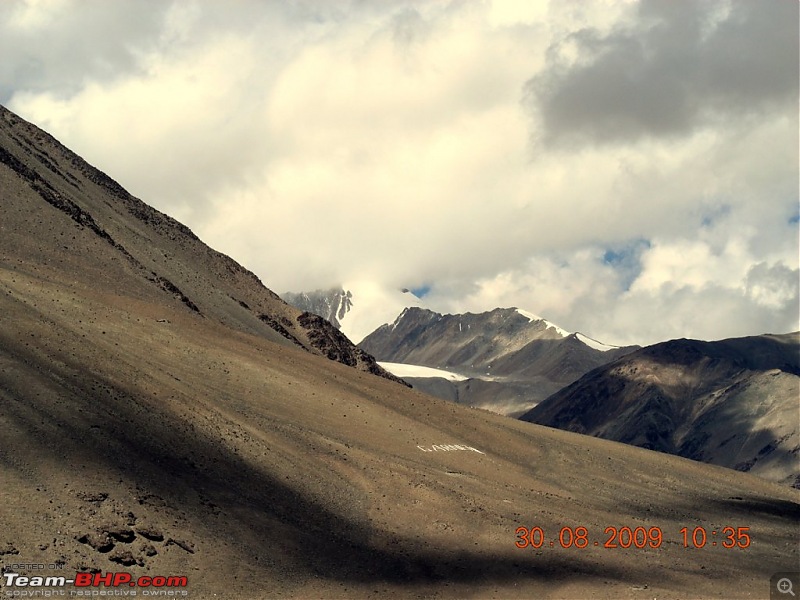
(732, 403)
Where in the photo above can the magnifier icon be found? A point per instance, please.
(784, 586)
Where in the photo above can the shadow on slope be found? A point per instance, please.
(101, 427)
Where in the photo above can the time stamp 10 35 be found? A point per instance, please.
(632, 537)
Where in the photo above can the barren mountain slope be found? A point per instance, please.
(732, 403)
(138, 436)
(61, 212)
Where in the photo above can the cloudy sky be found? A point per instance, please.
(628, 169)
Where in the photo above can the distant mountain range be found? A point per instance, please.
(505, 360)
(734, 403)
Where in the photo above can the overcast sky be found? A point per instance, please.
(624, 169)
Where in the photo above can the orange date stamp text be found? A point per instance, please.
(632, 537)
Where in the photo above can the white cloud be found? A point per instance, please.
(682, 288)
(322, 142)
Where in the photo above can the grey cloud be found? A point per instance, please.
(408, 26)
(100, 42)
(59, 55)
(775, 286)
(681, 66)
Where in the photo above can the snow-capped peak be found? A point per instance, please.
(591, 342)
(532, 317)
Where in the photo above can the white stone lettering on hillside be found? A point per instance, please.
(448, 448)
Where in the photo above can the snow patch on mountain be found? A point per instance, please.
(404, 370)
(595, 344)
